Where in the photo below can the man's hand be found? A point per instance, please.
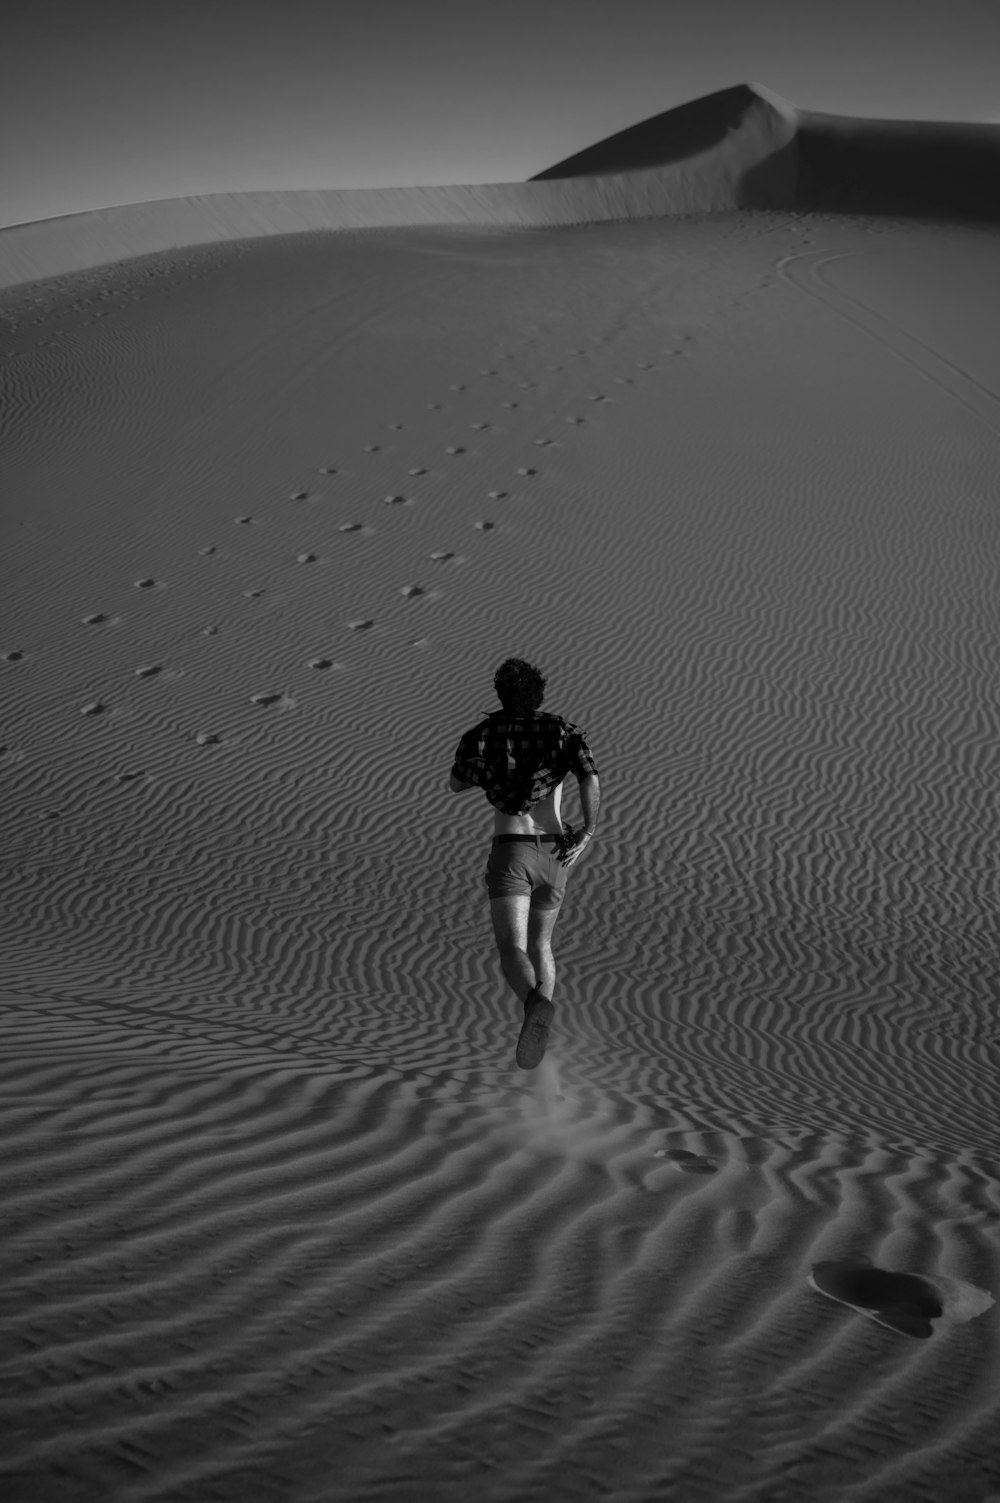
(574, 843)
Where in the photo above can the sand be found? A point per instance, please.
(282, 1218)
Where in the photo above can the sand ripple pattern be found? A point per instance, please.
(282, 1220)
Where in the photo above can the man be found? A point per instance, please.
(520, 756)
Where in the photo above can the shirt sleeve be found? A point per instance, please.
(468, 766)
(581, 758)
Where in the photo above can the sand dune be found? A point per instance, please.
(742, 147)
(282, 1220)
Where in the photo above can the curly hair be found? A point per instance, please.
(520, 687)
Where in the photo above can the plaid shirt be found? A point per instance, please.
(518, 759)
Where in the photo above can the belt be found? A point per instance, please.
(505, 839)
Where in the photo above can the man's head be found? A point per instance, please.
(520, 688)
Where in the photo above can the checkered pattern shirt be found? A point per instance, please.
(518, 759)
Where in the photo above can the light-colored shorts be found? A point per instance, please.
(527, 865)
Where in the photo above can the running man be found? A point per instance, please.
(519, 756)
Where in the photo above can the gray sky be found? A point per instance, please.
(114, 101)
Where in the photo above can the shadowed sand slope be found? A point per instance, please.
(688, 131)
(283, 1222)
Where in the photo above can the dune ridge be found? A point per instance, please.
(742, 147)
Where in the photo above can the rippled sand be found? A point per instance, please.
(282, 1219)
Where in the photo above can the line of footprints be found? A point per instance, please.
(409, 591)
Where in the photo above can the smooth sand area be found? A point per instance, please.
(282, 1220)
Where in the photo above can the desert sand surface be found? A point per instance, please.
(282, 1221)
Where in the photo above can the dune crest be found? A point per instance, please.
(742, 147)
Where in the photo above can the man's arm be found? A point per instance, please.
(590, 802)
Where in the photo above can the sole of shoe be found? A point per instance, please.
(534, 1036)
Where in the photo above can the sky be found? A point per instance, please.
(119, 101)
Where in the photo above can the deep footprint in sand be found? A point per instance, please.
(360, 625)
(691, 1163)
(13, 657)
(149, 670)
(268, 701)
(902, 1302)
(100, 618)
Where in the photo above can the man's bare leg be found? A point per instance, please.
(510, 929)
(541, 922)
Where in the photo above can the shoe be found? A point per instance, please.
(534, 1034)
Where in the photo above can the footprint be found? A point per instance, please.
(902, 1302)
(454, 449)
(210, 631)
(267, 700)
(498, 495)
(508, 404)
(149, 670)
(149, 584)
(94, 708)
(128, 777)
(243, 521)
(544, 443)
(485, 526)
(395, 500)
(13, 657)
(410, 590)
(360, 625)
(456, 388)
(299, 496)
(372, 448)
(596, 396)
(320, 663)
(307, 558)
(100, 618)
(207, 738)
(253, 594)
(349, 527)
(645, 365)
(327, 469)
(206, 552)
(479, 426)
(441, 555)
(573, 420)
(623, 380)
(395, 427)
(526, 385)
(434, 406)
(525, 470)
(691, 1163)
(418, 470)
(487, 373)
